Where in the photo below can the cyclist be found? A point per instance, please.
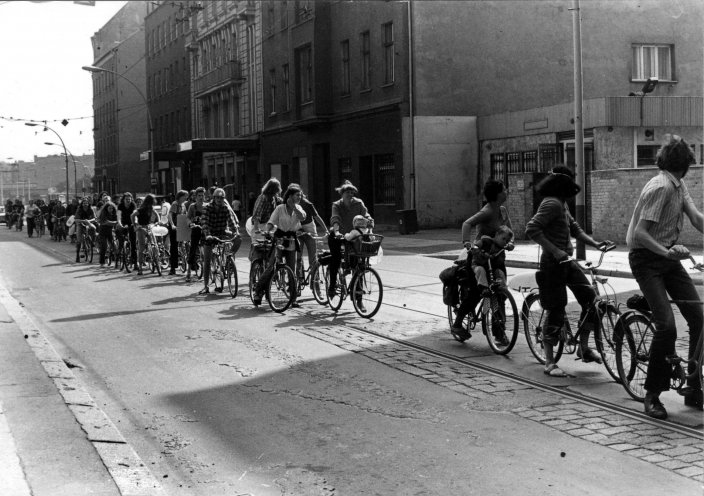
(58, 216)
(551, 227)
(84, 213)
(266, 203)
(125, 227)
(195, 218)
(344, 211)
(489, 218)
(107, 220)
(174, 211)
(18, 210)
(141, 218)
(308, 228)
(32, 212)
(654, 258)
(220, 221)
(287, 220)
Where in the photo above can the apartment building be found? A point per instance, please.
(121, 119)
(167, 28)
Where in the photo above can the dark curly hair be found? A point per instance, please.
(559, 183)
(492, 188)
(675, 156)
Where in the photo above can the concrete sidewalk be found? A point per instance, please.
(446, 243)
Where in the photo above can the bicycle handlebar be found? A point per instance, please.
(603, 248)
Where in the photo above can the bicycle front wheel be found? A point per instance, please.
(282, 288)
(604, 337)
(367, 292)
(533, 315)
(319, 284)
(255, 273)
(335, 300)
(199, 262)
(231, 276)
(500, 323)
(156, 264)
(183, 256)
(633, 338)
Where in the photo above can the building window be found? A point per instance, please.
(284, 14)
(385, 179)
(497, 169)
(303, 10)
(513, 162)
(547, 156)
(652, 61)
(365, 61)
(345, 167)
(272, 90)
(345, 56)
(388, 47)
(287, 87)
(271, 19)
(305, 74)
(530, 161)
(647, 155)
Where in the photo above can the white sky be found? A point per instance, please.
(44, 46)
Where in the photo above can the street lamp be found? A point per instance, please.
(34, 124)
(75, 179)
(92, 68)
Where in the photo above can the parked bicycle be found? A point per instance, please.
(365, 288)
(314, 275)
(634, 334)
(605, 313)
(496, 311)
(281, 289)
(222, 265)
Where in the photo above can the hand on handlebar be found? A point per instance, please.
(678, 252)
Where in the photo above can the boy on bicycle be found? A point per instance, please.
(655, 257)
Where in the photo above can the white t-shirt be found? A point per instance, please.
(164, 215)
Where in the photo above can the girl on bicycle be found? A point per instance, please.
(125, 227)
(107, 219)
(141, 218)
(551, 227)
(84, 213)
(487, 221)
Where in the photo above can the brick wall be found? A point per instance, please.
(614, 195)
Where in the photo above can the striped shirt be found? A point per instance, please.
(662, 201)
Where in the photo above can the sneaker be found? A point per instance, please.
(257, 300)
(360, 305)
(654, 407)
(694, 398)
(501, 340)
(461, 333)
(588, 355)
(204, 291)
(218, 290)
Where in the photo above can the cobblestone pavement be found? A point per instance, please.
(670, 450)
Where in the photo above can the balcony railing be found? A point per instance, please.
(225, 75)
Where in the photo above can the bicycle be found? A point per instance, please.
(605, 313)
(314, 275)
(499, 322)
(123, 255)
(86, 243)
(365, 287)
(634, 334)
(60, 229)
(280, 292)
(39, 225)
(184, 247)
(151, 253)
(222, 265)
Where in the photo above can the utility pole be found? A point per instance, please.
(578, 124)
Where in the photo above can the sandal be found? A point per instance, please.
(554, 371)
(204, 291)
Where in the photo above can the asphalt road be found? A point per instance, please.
(219, 397)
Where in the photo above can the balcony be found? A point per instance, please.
(226, 75)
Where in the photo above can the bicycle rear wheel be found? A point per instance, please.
(604, 337)
(183, 256)
(318, 284)
(533, 316)
(255, 273)
(282, 288)
(500, 323)
(217, 277)
(367, 292)
(199, 262)
(633, 338)
(336, 299)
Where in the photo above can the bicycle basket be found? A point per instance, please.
(324, 258)
(257, 251)
(367, 245)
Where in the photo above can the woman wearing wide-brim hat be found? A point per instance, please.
(551, 227)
